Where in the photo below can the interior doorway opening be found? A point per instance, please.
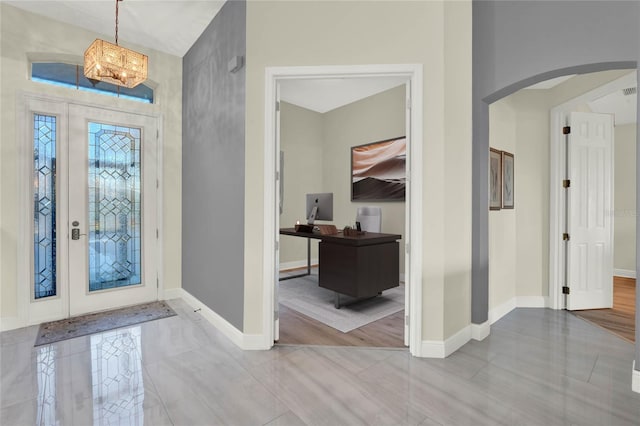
(332, 131)
(521, 239)
(607, 98)
(273, 167)
(618, 98)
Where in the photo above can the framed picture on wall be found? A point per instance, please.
(495, 179)
(379, 170)
(507, 180)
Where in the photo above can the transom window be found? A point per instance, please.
(69, 75)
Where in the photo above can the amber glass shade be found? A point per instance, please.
(115, 64)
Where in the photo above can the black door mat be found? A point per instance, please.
(56, 331)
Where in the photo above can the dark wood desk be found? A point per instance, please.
(357, 266)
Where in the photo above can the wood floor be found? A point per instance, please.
(621, 318)
(299, 329)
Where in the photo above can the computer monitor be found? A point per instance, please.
(319, 207)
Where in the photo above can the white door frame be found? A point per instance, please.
(558, 119)
(413, 210)
(24, 104)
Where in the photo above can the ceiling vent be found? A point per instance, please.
(630, 91)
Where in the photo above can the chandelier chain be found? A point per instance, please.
(117, 1)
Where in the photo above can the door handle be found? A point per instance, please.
(75, 234)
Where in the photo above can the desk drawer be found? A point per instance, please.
(359, 271)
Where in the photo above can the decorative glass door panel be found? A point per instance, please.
(44, 206)
(112, 216)
(115, 219)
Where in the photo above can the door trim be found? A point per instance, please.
(558, 118)
(24, 248)
(414, 212)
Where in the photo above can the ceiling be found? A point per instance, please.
(168, 26)
(325, 94)
(173, 26)
(621, 103)
(553, 82)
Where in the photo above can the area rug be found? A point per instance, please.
(83, 325)
(305, 296)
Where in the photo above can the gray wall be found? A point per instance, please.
(518, 43)
(213, 166)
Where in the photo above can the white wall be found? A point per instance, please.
(518, 238)
(302, 141)
(502, 223)
(532, 193)
(624, 250)
(23, 33)
(385, 32)
(456, 207)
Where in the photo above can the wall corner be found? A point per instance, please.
(480, 331)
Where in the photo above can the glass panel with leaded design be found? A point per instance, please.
(115, 213)
(44, 206)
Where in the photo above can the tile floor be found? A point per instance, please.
(538, 367)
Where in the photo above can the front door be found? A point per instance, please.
(94, 217)
(111, 250)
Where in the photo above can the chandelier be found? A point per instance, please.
(104, 61)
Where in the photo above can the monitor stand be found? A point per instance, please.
(312, 215)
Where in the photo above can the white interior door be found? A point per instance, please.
(407, 209)
(590, 207)
(279, 194)
(112, 216)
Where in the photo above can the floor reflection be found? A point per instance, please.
(116, 368)
(46, 368)
(117, 384)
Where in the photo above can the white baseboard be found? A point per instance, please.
(432, 349)
(442, 349)
(635, 379)
(532, 302)
(11, 323)
(243, 341)
(255, 342)
(171, 293)
(625, 273)
(501, 310)
(457, 341)
(517, 302)
(297, 264)
(480, 331)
